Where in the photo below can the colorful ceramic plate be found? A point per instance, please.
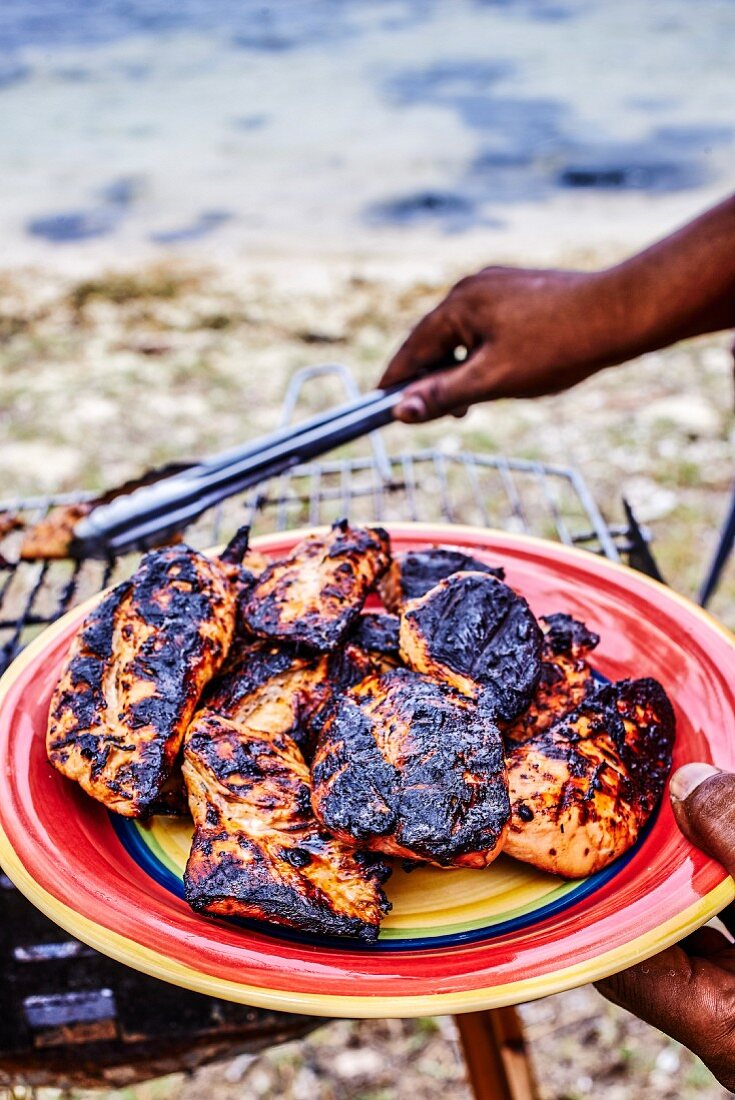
(456, 940)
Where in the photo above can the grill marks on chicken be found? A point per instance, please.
(270, 688)
(476, 634)
(258, 851)
(313, 595)
(566, 677)
(582, 790)
(411, 768)
(414, 572)
(134, 676)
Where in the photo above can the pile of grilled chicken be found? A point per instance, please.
(312, 739)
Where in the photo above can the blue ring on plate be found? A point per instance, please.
(133, 844)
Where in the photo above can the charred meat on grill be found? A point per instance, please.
(582, 790)
(566, 677)
(414, 572)
(476, 634)
(412, 768)
(258, 851)
(315, 594)
(134, 676)
(53, 536)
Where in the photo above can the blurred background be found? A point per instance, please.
(197, 199)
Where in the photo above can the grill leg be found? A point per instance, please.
(494, 1046)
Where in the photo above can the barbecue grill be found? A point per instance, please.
(69, 1015)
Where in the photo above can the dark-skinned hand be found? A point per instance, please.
(525, 333)
(688, 990)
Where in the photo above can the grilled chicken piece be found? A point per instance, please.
(410, 767)
(134, 676)
(53, 536)
(566, 677)
(171, 800)
(414, 572)
(314, 595)
(370, 647)
(258, 850)
(271, 688)
(582, 791)
(254, 563)
(378, 634)
(474, 633)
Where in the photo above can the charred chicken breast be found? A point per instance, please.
(315, 594)
(412, 768)
(582, 790)
(565, 680)
(257, 850)
(134, 676)
(476, 634)
(414, 572)
(370, 647)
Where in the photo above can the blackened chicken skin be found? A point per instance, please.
(315, 594)
(370, 647)
(258, 851)
(582, 790)
(414, 572)
(134, 676)
(411, 768)
(476, 634)
(566, 677)
(377, 633)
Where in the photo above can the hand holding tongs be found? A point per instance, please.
(139, 519)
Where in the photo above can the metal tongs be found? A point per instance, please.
(148, 515)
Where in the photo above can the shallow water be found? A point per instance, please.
(353, 124)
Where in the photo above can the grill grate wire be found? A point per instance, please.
(429, 486)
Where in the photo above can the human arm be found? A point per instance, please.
(534, 332)
(688, 990)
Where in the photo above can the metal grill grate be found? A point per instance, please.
(74, 1016)
(430, 486)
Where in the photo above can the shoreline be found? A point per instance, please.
(570, 230)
